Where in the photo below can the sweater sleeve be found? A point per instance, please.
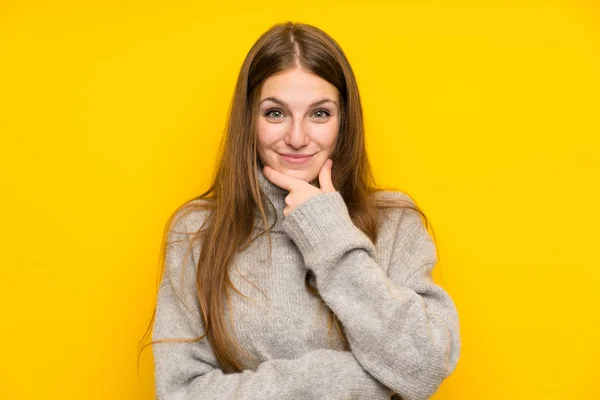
(401, 326)
(189, 370)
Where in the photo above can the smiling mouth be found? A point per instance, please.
(295, 155)
(295, 158)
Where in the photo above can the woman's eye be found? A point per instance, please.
(277, 115)
(324, 114)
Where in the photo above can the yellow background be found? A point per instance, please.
(487, 113)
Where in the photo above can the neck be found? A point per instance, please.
(276, 195)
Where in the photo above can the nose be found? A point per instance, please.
(296, 137)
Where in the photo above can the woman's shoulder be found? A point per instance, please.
(190, 216)
(397, 207)
(393, 202)
(403, 216)
(382, 195)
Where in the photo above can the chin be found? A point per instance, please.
(298, 174)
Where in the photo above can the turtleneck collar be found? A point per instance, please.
(277, 196)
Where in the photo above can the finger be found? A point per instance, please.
(280, 179)
(325, 177)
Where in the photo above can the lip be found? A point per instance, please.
(295, 158)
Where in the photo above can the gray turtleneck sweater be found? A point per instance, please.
(402, 327)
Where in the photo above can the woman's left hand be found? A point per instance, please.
(300, 190)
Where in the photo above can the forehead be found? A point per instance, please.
(297, 84)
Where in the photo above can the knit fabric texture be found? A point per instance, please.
(402, 327)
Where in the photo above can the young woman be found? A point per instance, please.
(293, 276)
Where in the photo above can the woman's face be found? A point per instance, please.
(298, 115)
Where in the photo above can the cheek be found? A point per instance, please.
(326, 135)
(268, 133)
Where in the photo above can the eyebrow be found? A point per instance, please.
(316, 103)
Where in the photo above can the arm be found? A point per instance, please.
(402, 327)
(189, 370)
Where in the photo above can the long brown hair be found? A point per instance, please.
(235, 192)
